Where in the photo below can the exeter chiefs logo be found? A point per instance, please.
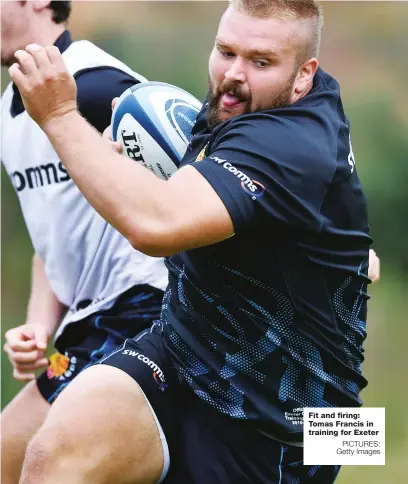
(202, 154)
(61, 366)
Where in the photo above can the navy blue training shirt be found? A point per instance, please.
(272, 320)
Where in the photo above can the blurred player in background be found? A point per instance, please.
(83, 270)
(266, 305)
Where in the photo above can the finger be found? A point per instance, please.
(6, 348)
(24, 346)
(375, 271)
(373, 266)
(114, 101)
(14, 337)
(40, 337)
(116, 146)
(27, 63)
(54, 55)
(17, 76)
(24, 358)
(43, 363)
(373, 275)
(40, 56)
(23, 376)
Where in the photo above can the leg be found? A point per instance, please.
(99, 430)
(19, 421)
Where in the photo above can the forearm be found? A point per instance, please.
(43, 308)
(127, 195)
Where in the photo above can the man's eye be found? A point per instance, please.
(261, 63)
(227, 54)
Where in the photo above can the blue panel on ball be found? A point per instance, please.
(121, 109)
(129, 105)
(182, 117)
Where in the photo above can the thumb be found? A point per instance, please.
(41, 338)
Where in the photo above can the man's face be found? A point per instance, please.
(252, 66)
(14, 29)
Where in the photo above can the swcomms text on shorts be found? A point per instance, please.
(38, 176)
(144, 359)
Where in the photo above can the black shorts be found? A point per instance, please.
(84, 342)
(205, 446)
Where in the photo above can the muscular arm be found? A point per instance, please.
(159, 218)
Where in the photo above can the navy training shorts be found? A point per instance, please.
(84, 342)
(201, 445)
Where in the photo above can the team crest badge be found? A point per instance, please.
(202, 154)
(61, 366)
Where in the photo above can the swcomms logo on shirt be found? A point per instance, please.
(38, 176)
(252, 187)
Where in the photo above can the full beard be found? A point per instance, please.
(214, 110)
(280, 99)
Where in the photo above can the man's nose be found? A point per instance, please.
(236, 71)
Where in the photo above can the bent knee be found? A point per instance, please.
(39, 454)
(99, 428)
(52, 458)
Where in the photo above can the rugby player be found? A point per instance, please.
(83, 270)
(266, 235)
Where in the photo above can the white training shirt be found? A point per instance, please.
(85, 258)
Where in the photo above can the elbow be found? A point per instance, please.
(152, 241)
(151, 249)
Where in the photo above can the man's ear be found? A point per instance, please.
(39, 5)
(305, 75)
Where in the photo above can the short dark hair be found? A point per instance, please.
(62, 10)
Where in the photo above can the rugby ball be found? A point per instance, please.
(153, 123)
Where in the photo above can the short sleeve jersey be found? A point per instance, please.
(272, 320)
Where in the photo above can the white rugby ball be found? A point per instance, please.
(153, 122)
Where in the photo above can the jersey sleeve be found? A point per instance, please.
(96, 89)
(266, 170)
